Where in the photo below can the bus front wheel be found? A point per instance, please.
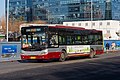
(62, 57)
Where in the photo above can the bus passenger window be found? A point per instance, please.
(78, 40)
(54, 41)
(85, 39)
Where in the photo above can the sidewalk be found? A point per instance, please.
(111, 51)
(9, 59)
(110, 54)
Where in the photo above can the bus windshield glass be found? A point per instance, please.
(34, 41)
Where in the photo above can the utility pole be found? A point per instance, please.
(7, 19)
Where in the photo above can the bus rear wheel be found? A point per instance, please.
(62, 57)
(92, 53)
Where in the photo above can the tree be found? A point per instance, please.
(3, 23)
(14, 24)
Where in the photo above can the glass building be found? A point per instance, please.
(58, 11)
(20, 10)
(115, 8)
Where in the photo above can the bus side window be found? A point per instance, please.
(99, 40)
(78, 40)
(84, 39)
(62, 40)
(54, 41)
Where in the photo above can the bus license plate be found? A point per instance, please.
(32, 57)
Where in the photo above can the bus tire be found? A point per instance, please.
(92, 53)
(62, 57)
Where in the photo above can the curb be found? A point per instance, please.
(113, 51)
(5, 61)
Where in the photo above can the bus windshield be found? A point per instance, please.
(34, 41)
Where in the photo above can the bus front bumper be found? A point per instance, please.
(26, 57)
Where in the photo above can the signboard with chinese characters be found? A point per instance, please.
(78, 49)
(9, 50)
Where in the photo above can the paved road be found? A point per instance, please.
(104, 67)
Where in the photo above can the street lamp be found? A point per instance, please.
(7, 19)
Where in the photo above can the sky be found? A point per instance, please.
(2, 8)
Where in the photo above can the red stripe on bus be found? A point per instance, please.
(50, 55)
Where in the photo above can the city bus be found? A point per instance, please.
(45, 42)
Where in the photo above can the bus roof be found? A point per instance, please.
(57, 26)
(28, 25)
(51, 25)
(67, 27)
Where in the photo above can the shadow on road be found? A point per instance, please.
(103, 69)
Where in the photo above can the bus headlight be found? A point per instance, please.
(43, 52)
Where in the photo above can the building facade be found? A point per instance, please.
(58, 11)
(20, 9)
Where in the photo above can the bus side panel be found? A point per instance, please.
(98, 49)
(78, 49)
(78, 54)
(98, 52)
(54, 55)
